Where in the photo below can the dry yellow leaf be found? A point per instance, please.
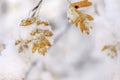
(42, 22)
(81, 4)
(17, 42)
(112, 50)
(48, 33)
(42, 51)
(81, 18)
(28, 21)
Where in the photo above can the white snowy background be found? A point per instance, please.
(73, 56)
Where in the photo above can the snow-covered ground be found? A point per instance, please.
(73, 56)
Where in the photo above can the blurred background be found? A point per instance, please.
(73, 56)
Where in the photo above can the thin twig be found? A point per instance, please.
(30, 69)
(36, 9)
(37, 5)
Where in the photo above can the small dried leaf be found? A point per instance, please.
(37, 31)
(33, 33)
(42, 22)
(46, 42)
(105, 47)
(47, 33)
(42, 50)
(82, 26)
(28, 41)
(112, 49)
(42, 45)
(28, 21)
(34, 48)
(77, 21)
(17, 42)
(89, 17)
(21, 49)
(25, 46)
(81, 4)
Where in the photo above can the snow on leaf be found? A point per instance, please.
(77, 17)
